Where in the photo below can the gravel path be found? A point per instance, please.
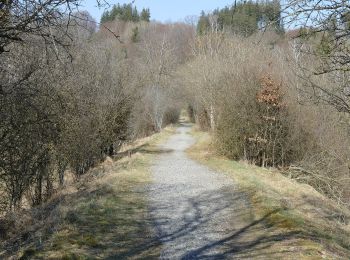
(197, 212)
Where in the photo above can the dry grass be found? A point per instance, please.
(323, 227)
(104, 215)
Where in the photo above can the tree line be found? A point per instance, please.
(127, 13)
(243, 18)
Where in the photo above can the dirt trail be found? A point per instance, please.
(198, 213)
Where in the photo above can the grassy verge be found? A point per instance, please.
(103, 216)
(321, 226)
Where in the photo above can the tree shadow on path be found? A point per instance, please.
(245, 237)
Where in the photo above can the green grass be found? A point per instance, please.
(295, 207)
(108, 218)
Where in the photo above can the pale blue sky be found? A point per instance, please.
(162, 10)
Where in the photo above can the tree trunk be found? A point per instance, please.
(61, 169)
(111, 150)
(38, 188)
(212, 118)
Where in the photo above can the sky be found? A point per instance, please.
(161, 10)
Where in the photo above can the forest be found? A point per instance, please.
(270, 83)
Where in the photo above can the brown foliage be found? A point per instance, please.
(270, 92)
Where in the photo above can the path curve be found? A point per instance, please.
(196, 210)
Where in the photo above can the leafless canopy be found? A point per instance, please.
(329, 20)
(323, 38)
(48, 19)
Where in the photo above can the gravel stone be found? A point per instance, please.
(192, 206)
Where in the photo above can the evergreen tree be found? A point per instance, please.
(105, 17)
(135, 15)
(145, 15)
(203, 24)
(127, 13)
(345, 19)
(115, 12)
(135, 37)
(245, 18)
(272, 13)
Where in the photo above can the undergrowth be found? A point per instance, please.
(103, 215)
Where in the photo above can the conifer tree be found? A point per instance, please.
(135, 37)
(105, 17)
(135, 15)
(245, 18)
(145, 15)
(203, 23)
(127, 13)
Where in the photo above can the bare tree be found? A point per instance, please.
(157, 63)
(19, 19)
(323, 41)
(208, 49)
(62, 105)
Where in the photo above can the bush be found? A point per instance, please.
(257, 125)
(171, 116)
(258, 110)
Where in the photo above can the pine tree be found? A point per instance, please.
(126, 13)
(245, 18)
(135, 37)
(145, 15)
(135, 15)
(272, 14)
(203, 24)
(105, 17)
(113, 12)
